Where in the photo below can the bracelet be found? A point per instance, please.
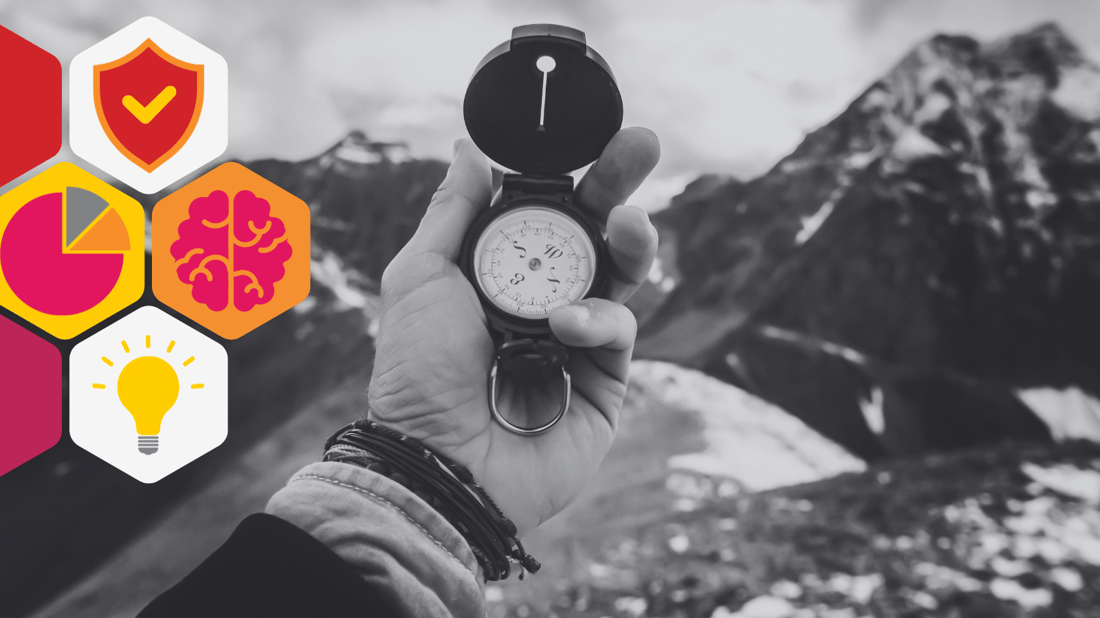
(445, 485)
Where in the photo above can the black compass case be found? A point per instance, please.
(503, 101)
(503, 108)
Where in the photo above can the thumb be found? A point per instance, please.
(465, 192)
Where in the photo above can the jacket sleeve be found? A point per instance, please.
(338, 540)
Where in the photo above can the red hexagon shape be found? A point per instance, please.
(30, 395)
(30, 108)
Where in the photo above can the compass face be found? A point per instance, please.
(533, 259)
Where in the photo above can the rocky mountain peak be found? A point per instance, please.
(932, 248)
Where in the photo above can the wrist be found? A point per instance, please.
(443, 484)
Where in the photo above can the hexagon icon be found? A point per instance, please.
(148, 394)
(148, 105)
(30, 110)
(30, 395)
(231, 250)
(72, 250)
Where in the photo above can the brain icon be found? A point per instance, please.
(231, 253)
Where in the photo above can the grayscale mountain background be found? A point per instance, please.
(868, 378)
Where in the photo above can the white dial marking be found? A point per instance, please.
(534, 259)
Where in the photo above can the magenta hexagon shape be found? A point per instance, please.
(30, 395)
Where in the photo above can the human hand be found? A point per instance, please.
(434, 349)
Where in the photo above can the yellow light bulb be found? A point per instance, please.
(148, 388)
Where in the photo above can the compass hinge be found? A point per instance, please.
(536, 185)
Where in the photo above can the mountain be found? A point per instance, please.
(913, 263)
(65, 511)
(895, 283)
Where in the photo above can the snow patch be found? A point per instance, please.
(861, 160)
(816, 343)
(935, 104)
(1069, 413)
(811, 224)
(1009, 590)
(1068, 480)
(329, 271)
(354, 154)
(872, 411)
(747, 439)
(1079, 93)
(760, 607)
(912, 145)
(858, 587)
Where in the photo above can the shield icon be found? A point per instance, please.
(148, 103)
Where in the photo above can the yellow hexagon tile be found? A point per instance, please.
(72, 250)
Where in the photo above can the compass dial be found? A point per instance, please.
(533, 259)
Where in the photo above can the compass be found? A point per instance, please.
(533, 259)
(542, 104)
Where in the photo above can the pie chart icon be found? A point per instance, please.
(62, 253)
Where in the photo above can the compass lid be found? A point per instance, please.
(540, 116)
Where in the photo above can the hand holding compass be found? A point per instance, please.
(437, 343)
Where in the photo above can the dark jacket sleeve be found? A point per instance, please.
(270, 568)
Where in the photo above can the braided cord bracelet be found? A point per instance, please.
(445, 485)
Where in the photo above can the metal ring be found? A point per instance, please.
(520, 430)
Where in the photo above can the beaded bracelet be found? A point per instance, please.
(445, 485)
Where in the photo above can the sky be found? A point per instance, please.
(729, 86)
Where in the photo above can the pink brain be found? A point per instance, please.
(231, 253)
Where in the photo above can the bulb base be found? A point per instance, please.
(148, 444)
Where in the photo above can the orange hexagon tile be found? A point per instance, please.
(231, 250)
(72, 250)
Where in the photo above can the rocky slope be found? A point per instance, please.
(914, 262)
(1008, 531)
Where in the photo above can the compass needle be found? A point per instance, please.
(544, 64)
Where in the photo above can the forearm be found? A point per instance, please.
(396, 542)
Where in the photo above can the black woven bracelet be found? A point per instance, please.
(444, 484)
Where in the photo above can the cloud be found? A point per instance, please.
(728, 86)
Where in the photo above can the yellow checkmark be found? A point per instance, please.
(146, 113)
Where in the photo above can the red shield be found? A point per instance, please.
(148, 103)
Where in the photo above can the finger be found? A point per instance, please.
(594, 323)
(625, 162)
(464, 193)
(632, 243)
(607, 330)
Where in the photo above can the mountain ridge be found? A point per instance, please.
(944, 225)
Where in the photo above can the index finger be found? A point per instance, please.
(625, 162)
(465, 192)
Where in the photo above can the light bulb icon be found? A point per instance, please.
(148, 387)
(149, 377)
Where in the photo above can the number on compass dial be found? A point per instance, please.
(532, 259)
